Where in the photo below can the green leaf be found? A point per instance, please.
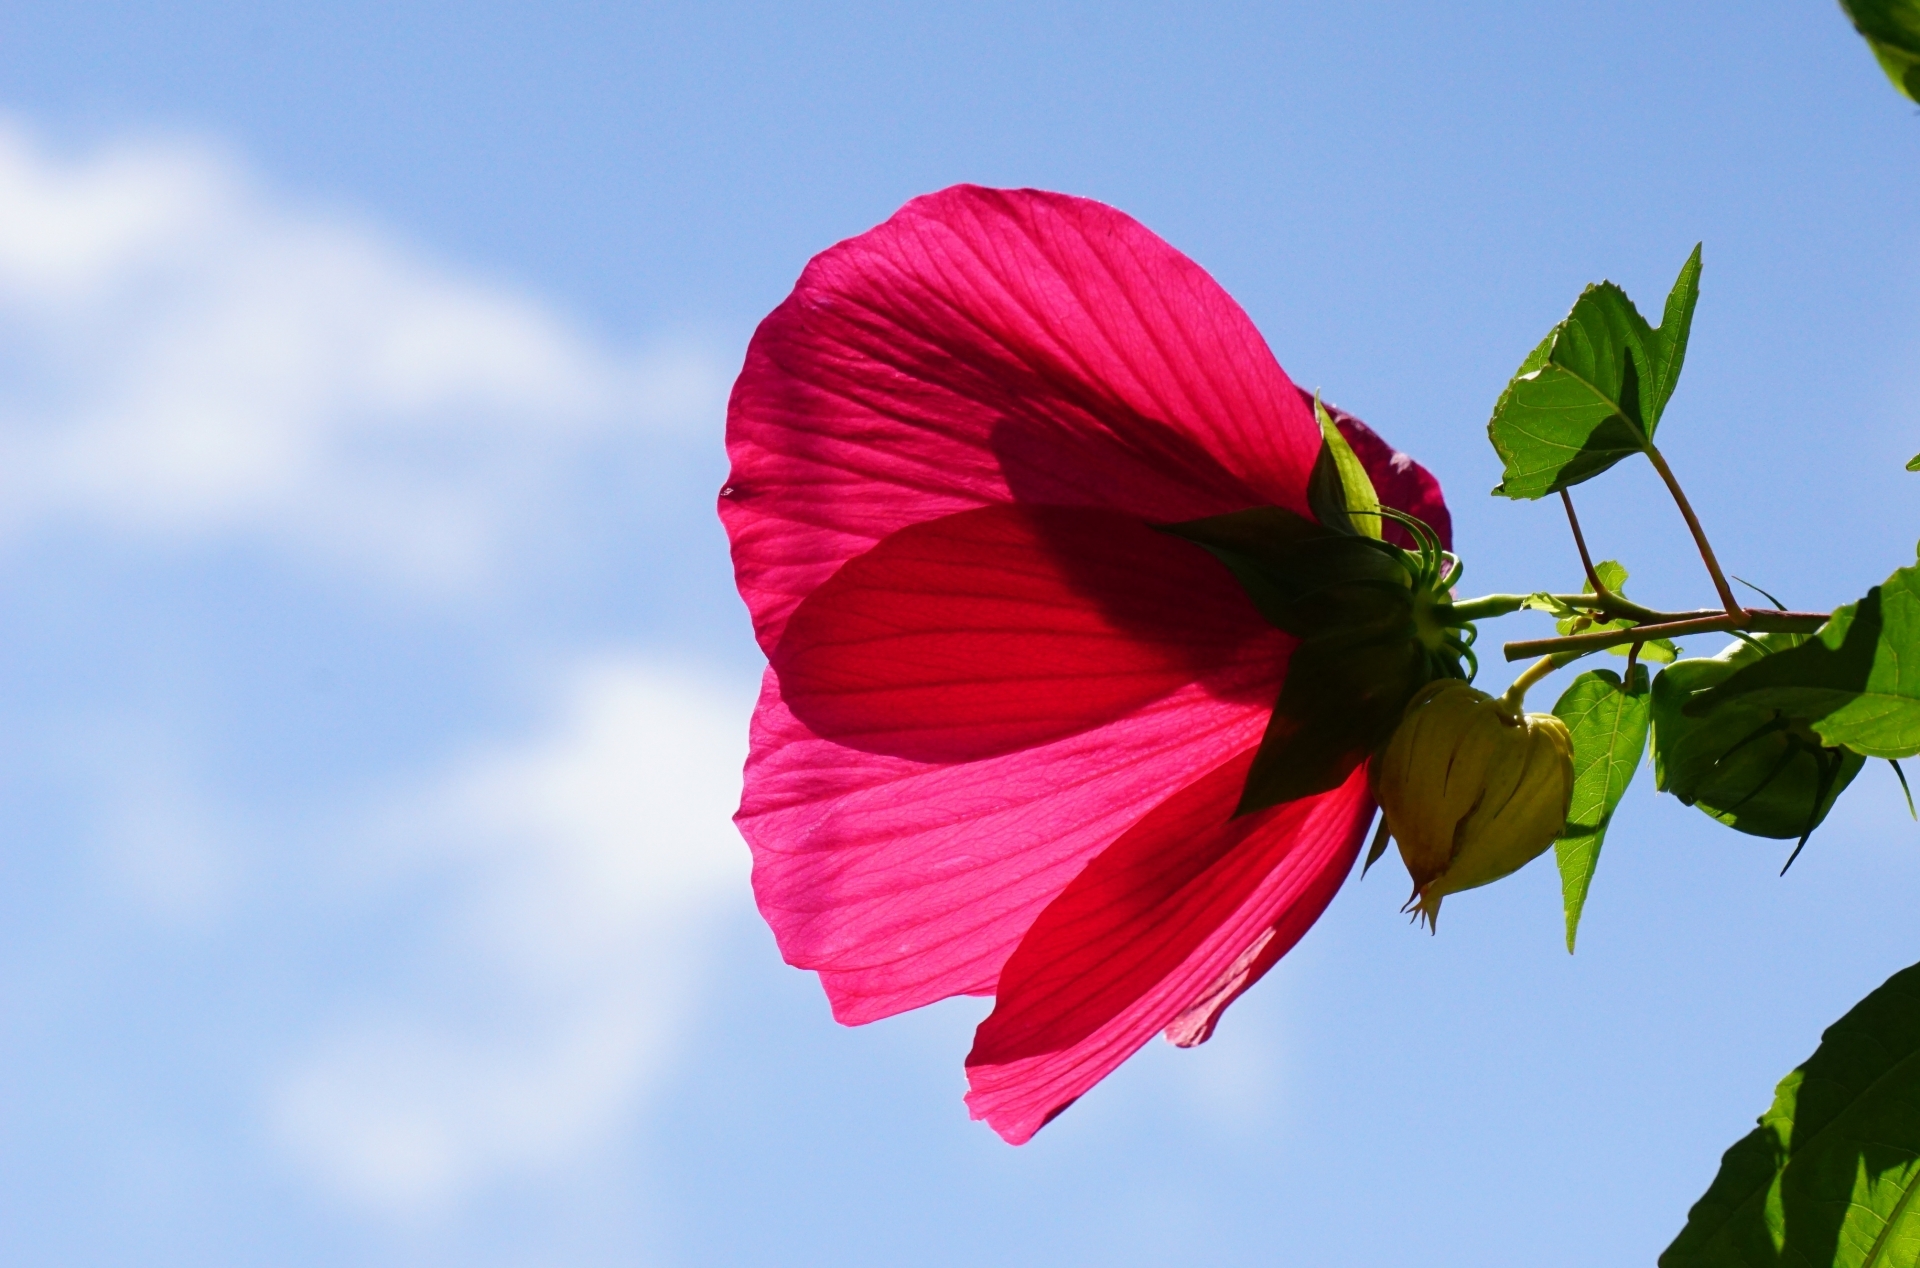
(1752, 766)
(1662, 651)
(1913, 463)
(1613, 575)
(1829, 1175)
(1339, 491)
(1608, 724)
(1856, 681)
(1593, 391)
(1892, 30)
(1572, 620)
(1669, 352)
(1541, 601)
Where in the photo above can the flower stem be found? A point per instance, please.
(1487, 605)
(1516, 695)
(1699, 534)
(1483, 606)
(1698, 623)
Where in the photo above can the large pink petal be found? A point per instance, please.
(989, 346)
(1004, 627)
(1177, 909)
(903, 882)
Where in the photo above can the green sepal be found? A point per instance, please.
(1302, 576)
(1752, 765)
(1339, 491)
(1892, 30)
(1607, 721)
(1593, 391)
(1856, 680)
(1343, 697)
(1830, 1174)
(1382, 835)
(1351, 601)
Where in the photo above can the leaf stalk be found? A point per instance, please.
(1693, 525)
(1586, 560)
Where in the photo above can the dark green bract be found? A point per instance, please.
(1370, 618)
(1592, 393)
(1754, 765)
(1828, 1177)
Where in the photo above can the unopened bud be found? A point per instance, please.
(1471, 790)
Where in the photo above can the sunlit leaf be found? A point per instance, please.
(1607, 721)
(1593, 391)
(1544, 602)
(1856, 681)
(1829, 1175)
(1892, 31)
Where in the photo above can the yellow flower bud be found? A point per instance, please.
(1472, 791)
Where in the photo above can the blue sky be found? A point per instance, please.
(373, 689)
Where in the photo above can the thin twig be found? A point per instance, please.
(1586, 561)
(1699, 534)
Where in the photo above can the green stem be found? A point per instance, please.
(1699, 534)
(1580, 541)
(1516, 695)
(1706, 623)
(1487, 605)
(1611, 606)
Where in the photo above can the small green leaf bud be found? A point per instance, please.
(1472, 791)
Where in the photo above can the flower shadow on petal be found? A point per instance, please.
(1001, 628)
(1112, 456)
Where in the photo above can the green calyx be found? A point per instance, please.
(1375, 624)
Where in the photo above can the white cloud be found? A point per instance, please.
(189, 361)
(191, 357)
(587, 865)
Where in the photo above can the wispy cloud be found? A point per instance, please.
(193, 367)
(189, 355)
(579, 870)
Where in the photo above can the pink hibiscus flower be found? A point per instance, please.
(1006, 721)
